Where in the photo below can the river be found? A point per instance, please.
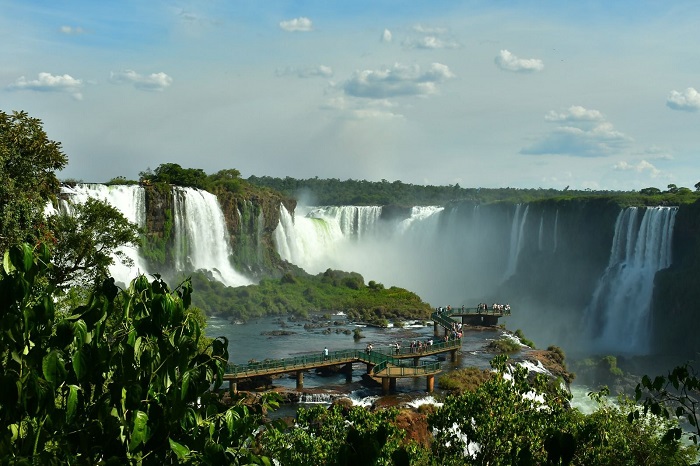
(251, 341)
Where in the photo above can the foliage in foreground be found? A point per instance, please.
(331, 290)
(120, 380)
(513, 419)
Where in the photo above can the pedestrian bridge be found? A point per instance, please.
(386, 362)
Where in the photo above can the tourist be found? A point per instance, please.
(325, 353)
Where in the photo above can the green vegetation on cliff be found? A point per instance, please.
(300, 294)
(333, 191)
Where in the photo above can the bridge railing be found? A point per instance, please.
(293, 362)
(406, 369)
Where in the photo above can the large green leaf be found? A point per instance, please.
(139, 430)
(180, 450)
(72, 404)
(54, 368)
(80, 364)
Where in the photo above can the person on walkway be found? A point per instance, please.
(325, 353)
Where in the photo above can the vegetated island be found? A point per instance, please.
(301, 293)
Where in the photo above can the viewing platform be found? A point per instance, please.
(475, 316)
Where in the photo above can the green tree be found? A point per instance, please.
(650, 191)
(28, 161)
(137, 391)
(506, 420)
(89, 239)
(673, 395)
(173, 173)
(336, 436)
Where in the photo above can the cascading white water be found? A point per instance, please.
(516, 240)
(201, 237)
(357, 221)
(317, 238)
(541, 233)
(130, 201)
(619, 313)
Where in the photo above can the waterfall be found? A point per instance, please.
(357, 221)
(516, 241)
(618, 316)
(201, 236)
(541, 233)
(130, 201)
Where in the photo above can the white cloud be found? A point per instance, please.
(301, 24)
(430, 42)
(688, 100)
(586, 134)
(151, 82)
(72, 30)
(46, 82)
(430, 38)
(428, 30)
(509, 62)
(397, 81)
(575, 113)
(642, 166)
(386, 36)
(321, 71)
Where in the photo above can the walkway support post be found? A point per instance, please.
(436, 332)
(453, 355)
(348, 372)
(392, 383)
(430, 384)
(416, 361)
(385, 385)
(232, 386)
(300, 380)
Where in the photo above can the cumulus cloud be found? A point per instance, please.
(397, 81)
(386, 36)
(46, 82)
(321, 71)
(152, 82)
(300, 24)
(688, 100)
(509, 62)
(430, 42)
(584, 133)
(72, 30)
(429, 38)
(642, 166)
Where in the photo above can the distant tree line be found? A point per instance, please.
(333, 191)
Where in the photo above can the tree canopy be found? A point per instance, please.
(28, 162)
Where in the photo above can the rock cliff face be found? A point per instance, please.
(251, 219)
(251, 222)
(677, 289)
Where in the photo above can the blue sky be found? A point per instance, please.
(600, 95)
